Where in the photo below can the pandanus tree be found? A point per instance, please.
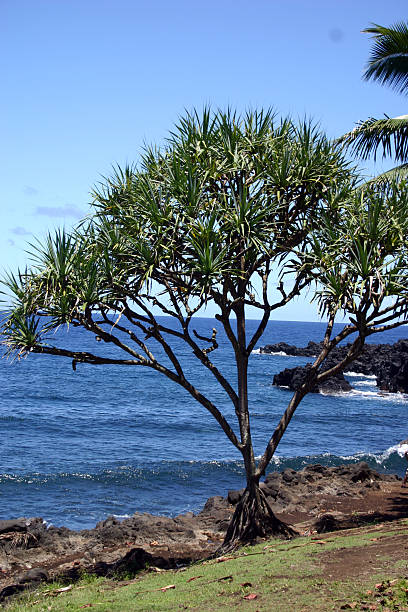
(388, 64)
(220, 214)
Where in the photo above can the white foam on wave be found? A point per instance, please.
(363, 383)
(276, 459)
(379, 456)
(360, 375)
(335, 393)
(279, 353)
(218, 462)
(122, 516)
(402, 449)
(396, 398)
(279, 458)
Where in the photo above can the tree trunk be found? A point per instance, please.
(253, 518)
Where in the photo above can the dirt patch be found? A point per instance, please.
(382, 551)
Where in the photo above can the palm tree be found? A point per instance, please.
(387, 64)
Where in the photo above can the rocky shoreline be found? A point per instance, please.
(387, 362)
(315, 499)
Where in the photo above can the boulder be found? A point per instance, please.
(36, 574)
(293, 378)
(388, 363)
(311, 350)
(362, 472)
(392, 375)
(14, 525)
(327, 523)
(235, 496)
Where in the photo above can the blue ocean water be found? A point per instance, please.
(78, 446)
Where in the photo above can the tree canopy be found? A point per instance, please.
(229, 209)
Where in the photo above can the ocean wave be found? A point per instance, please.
(82, 498)
(363, 383)
(396, 398)
(360, 375)
(122, 516)
(136, 475)
(278, 353)
(142, 472)
(379, 457)
(387, 461)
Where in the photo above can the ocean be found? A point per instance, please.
(76, 447)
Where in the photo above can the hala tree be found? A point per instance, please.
(228, 209)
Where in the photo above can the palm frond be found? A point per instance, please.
(388, 62)
(389, 134)
(393, 174)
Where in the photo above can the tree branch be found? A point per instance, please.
(86, 357)
(180, 377)
(383, 328)
(300, 393)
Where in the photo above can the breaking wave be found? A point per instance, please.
(167, 488)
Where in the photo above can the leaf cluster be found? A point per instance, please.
(225, 198)
(224, 189)
(359, 256)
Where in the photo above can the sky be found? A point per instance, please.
(86, 83)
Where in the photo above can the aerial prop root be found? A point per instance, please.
(253, 518)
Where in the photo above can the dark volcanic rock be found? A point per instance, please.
(311, 350)
(24, 581)
(293, 378)
(235, 496)
(16, 525)
(335, 384)
(138, 559)
(36, 574)
(392, 373)
(362, 472)
(327, 523)
(388, 363)
(215, 511)
(289, 489)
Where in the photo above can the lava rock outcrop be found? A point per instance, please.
(387, 362)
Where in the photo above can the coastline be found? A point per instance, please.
(314, 500)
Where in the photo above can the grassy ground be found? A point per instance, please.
(362, 569)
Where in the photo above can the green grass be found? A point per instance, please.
(284, 576)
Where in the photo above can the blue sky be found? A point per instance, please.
(86, 83)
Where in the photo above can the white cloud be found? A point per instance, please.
(30, 191)
(60, 211)
(20, 231)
